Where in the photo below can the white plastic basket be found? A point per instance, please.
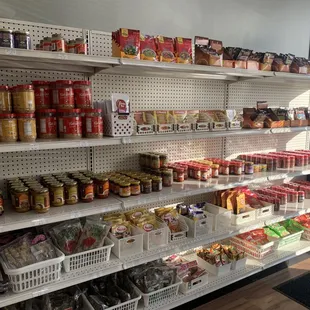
(265, 211)
(128, 305)
(200, 227)
(118, 125)
(222, 217)
(160, 295)
(183, 127)
(306, 233)
(256, 251)
(88, 258)
(189, 287)
(34, 275)
(127, 246)
(155, 238)
(291, 238)
(238, 264)
(218, 271)
(181, 234)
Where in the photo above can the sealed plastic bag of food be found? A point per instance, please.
(66, 236)
(278, 229)
(147, 222)
(134, 215)
(43, 250)
(148, 48)
(170, 216)
(183, 49)
(93, 235)
(121, 230)
(165, 49)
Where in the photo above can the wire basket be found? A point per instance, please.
(160, 295)
(88, 258)
(34, 275)
(128, 305)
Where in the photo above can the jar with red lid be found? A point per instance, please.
(64, 95)
(58, 43)
(178, 174)
(225, 167)
(23, 99)
(82, 94)
(215, 170)
(72, 123)
(185, 167)
(80, 46)
(86, 190)
(299, 160)
(93, 123)
(204, 173)
(5, 99)
(291, 161)
(42, 94)
(197, 172)
(238, 168)
(46, 123)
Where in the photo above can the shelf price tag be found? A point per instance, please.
(10, 51)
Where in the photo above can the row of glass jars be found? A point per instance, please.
(62, 94)
(49, 124)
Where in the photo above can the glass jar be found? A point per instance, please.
(22, 39)
(157, 184)
(42, 94)
(72, 123)
(47, 44)
(135, 187)
(71, 192)
(21, 199)
(5, 99)
(167, 175)
(8, 128)
(197, 173)
(6, 38)
(215, 170)
(41, 200)
(155, 161)
(47, 123)
(58, 43)
(26, 127)
(178, 174)
(82, 94)
(23, 99)
(57, 195)
(146, 186)
(64, 95)
(86, 190)
(80, 46)
(124, 189)
(204, 173)
(71, 47)
(225, 167)
(116, 186)
(93, 123)
(249, 167)
(102, 187)
(163, 160)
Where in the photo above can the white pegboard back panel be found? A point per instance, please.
(37, 30)
(264, 144)
(155, 93)
(120, 157)
(101, 43)
(246, 94)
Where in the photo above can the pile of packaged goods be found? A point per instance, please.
(109, 291)
(187, 269)
(69, 298)
(219, 255)
(15, 39)
(48, 110)
(161, 121)
(27, 193)
(130, 43)
(263, 116)
(72, 237)
(57, 43)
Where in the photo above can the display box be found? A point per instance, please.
(244, 218)
(165, 128)
(183, 127)
(252, 65)
(229, 63)
(222, 217)
(200, 227)
(202, 127)
(240, 64)
(116, 125)
(217, 271)
(265, 66)
(144, 130)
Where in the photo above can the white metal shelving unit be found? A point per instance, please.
(150, 86)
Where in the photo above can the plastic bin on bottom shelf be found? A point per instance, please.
(34, 275)
(306, 233)
(127, 246)
(180, 234)
(155, 238)
(88, 258)
(218, 271)
(256, 251)
(238, 264)
(128, 305)
(159, 295)
(188, 287)
(291, 238)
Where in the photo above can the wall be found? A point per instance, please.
(274, 25)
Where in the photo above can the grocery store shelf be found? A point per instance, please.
(192, 187)
(42, 144)
(54, 61)
(253, 266)
(66, 280)
(12, 220)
